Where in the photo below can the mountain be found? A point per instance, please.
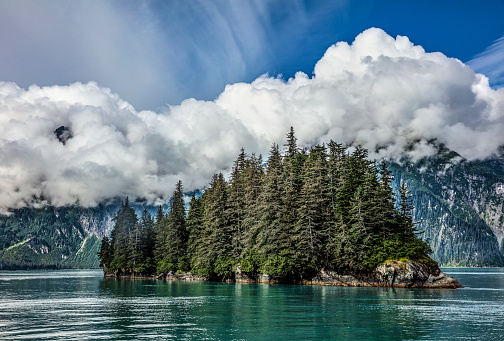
(49, 237)
(459, 207)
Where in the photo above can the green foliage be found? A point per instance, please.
(183, 263)
(252, 261)
(164, 265)
(396, 248)
(280, 264)
(224, 266)
(146, 266)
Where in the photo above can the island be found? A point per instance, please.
(326, 215)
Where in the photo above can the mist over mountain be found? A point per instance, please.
(82, 144)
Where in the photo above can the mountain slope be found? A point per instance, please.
(66, 237)
(459, 206)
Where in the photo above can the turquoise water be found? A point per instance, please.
(81, 304)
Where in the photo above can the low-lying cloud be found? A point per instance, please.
(380, 92)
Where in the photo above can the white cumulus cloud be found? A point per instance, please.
(381, 92)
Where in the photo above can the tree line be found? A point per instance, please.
(302, 211)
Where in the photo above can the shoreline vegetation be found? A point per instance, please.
(395, 274)
(325, 215)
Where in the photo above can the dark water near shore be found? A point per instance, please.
(81, 304)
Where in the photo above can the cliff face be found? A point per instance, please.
(459, 206)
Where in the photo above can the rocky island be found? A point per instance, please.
(397, 274)
(323, 216)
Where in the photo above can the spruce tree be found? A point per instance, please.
(383, 204)
(105, 254)
(236, 203)
(175, 235)
(356, 166)
(311, 227)
(253, 176)
(411, 246)
(405, 207)
(359, 234)
(273, 237)
(122, 237)
(292, 179)
(194, 224)
(145, 263)
(160, 236)
(336, 169)
(212, 255)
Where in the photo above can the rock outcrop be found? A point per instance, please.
(410, 274)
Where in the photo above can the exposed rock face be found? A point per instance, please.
(411, 274)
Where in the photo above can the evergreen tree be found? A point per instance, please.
(336, 169)
(159, 214)
(194, 224)
(212, 255)
(336, 257)
(387, 196)
(332, 252)
(122, 240)
(273, 238)
(355, 167)
(412, 247)
(145, 262)
(175, 235)
(160, 236)
(106, 253)
(253, 176)
(292, 179)
(405, 207)
(236, 203)
(136, 246)
(358, 241)
(311, 228)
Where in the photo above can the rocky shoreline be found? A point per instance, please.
(397, 274)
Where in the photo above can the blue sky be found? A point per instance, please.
(154, 53)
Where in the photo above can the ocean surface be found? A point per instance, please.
(82, 305)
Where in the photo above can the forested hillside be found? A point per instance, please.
(307, 210)
(49, 237)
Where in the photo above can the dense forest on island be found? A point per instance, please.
(328, 207)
